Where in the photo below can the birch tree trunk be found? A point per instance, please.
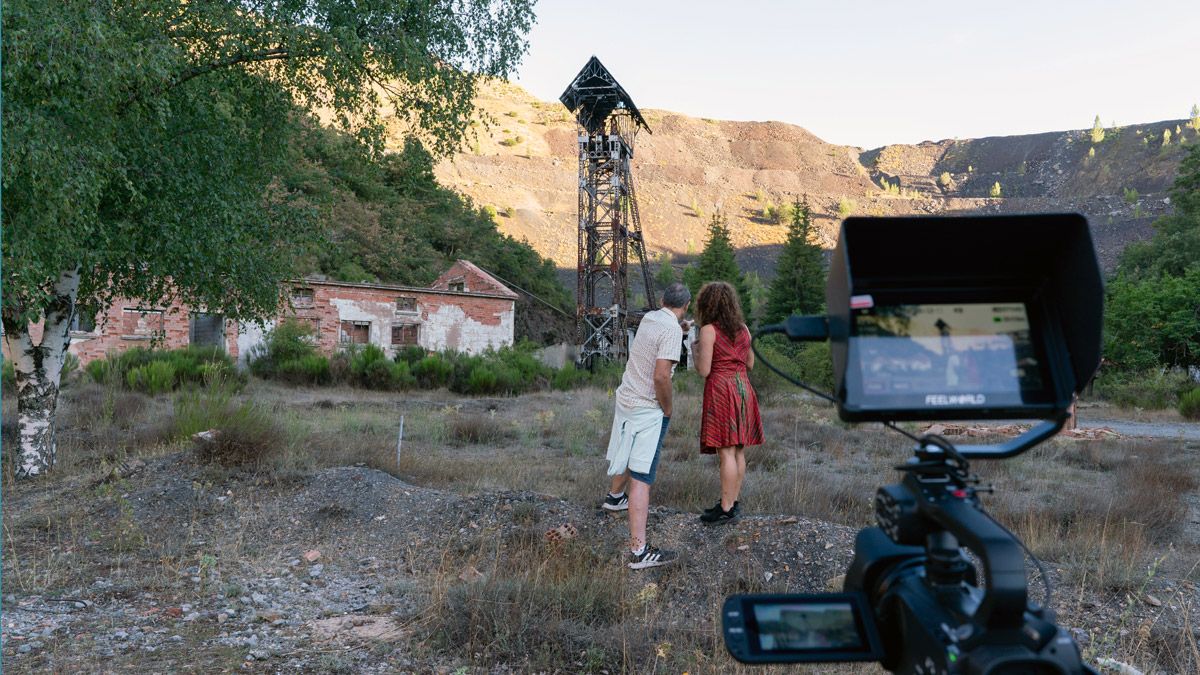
(39, 369)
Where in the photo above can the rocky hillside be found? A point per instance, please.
(523, 163)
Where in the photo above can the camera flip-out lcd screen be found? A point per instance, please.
(791, 627)
(795, 628)
(945, 356)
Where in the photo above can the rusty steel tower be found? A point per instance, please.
(610, 229)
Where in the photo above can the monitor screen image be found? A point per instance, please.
(807, 626)
(936, 355)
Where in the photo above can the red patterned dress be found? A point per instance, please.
(730, 415)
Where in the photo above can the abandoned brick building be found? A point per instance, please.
(465, 309)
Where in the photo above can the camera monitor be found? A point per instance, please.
(797, 628)
(944, 355)
(993, 317)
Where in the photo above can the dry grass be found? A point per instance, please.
(1102, 513)
(1104, 509)
(1100, 509)
(538, 605)
(476, 429)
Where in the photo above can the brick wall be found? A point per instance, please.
(473, 280)
(128, 324)
(469, 321)
(444, 320)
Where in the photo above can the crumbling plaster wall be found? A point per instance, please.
(449, 326)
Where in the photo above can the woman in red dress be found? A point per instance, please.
(730, 420)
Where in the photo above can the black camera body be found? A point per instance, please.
(925, 591)
(942, 318)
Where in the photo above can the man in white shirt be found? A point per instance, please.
(643, 412)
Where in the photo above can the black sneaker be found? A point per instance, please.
(651, 557)
(717, 507)
(719, 516)
(612, 503)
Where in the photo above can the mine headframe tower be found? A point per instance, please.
(610, 229)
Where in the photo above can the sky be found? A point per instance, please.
(873, 73)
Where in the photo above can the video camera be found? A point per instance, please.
(941, 318)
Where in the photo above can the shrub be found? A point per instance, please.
(433, 371)
(510, 370)
(246, 435)
(479, 430)
(605, 375)
(157, 377)
(99, 370)
(481, 380)
(70, 365)
(768, 212)
(1130, 195)
(1189, 404)
(809, 363)
(288, 341)
(361, 358)
(201, 410)
(1097, 134)
(371, 368)
(387, 375)
(509, 212)
(198, 365)
(8, 378)
(339, 368)
(311, 369)
(411, 354)
(944, 179)
(145, 370)
(569, 378)
(994, 192)
(1152, 389)
(845, 207)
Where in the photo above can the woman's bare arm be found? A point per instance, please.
(704, 349)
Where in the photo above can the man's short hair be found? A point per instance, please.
(676, 296)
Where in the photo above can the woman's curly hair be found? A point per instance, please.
(717, 303)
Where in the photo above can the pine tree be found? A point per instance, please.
(757, 291)
(1097, 131)
(717, 263)
(1194, 118)
(665, 276)
(799, 284)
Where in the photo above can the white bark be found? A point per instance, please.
(39, 369)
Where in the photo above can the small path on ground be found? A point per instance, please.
(1188, 431)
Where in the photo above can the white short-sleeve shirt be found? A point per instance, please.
(658, 337)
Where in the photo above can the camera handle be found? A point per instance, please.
(939, 485)
(1018, 445)
(953, 508)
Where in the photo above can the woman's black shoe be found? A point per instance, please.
(719, 516)
(717, 507)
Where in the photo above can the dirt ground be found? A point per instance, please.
(332, 556)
